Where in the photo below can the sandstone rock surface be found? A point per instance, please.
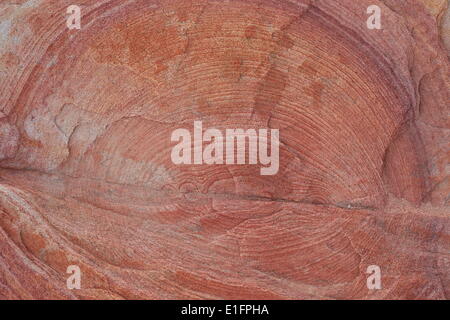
(86, 177)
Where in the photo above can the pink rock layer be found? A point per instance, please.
(86, 176)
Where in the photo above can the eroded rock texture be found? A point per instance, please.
(86, 177)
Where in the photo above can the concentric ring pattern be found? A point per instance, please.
(86, 176)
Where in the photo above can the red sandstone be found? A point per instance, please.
(86, 177)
